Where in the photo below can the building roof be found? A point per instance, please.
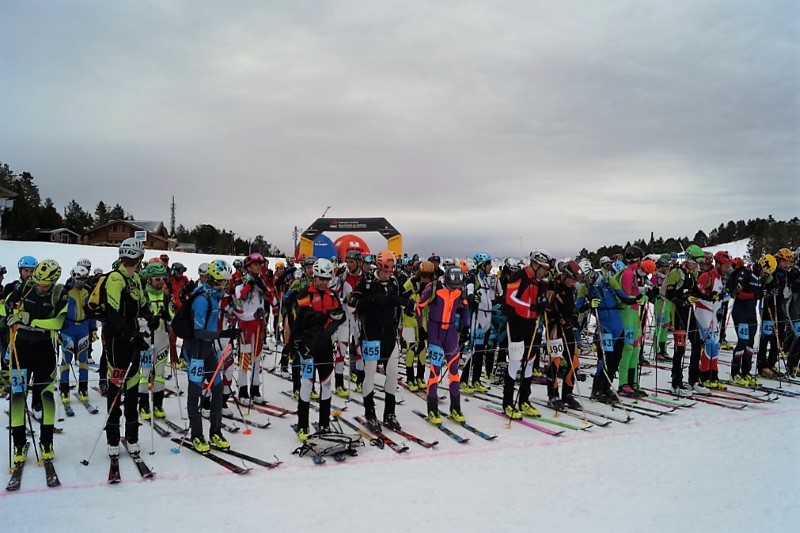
(7, 193)
(57, 230)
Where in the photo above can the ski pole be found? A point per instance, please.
(114, 402)
(150, 385)
(574, 369)
(605, 370)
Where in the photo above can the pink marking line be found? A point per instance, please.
(456, 451)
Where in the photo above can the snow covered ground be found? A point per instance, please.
(704, 468)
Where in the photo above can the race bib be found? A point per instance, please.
(796, 325)
(117, 376)
(146, 359)
(767, 327)
(743, 331)
(83, 344)
(435, 355)
(608, 342)
(555, 347)
(307, 368)
(162, 355)
(19, 381)
(196, 370)
(371, 350)
(628, 332)
(477, 336)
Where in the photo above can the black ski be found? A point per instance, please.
(50, 472)
(113, 471)
(16, 477)
(68, 410)
(175, 427)
(236, 469)
(161, 430)
(89, 407)
(259, 425)
(455, 436)
(250, 458)
(399, 448)
(144, 470)
(474, 430)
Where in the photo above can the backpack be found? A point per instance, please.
(96, 304)
(183, 323)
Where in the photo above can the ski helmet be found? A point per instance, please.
(540, 257)
(79, 273)
(481, 258)
(353, 255)
(220, 271)
(202, 269)
(633, 253)
(570, 269)
(618, 266)
(238, 263)
(85, 263)
(434, 258)
(46, 272)
(605, 260)
(27, 261)
(254, 257)
(586, 267)
(662, 263)
(694, 254)
(738, 262)
(178, 268)
(723, 257)
(649, 266)
(426, 268)
(785, 253)
(97, 272)
(768, 263)
(385, 260)
(308, 261)
(511, 264)
(448, 262)
(323, 268)
(453, 277)
(131, 248)
(279, 264)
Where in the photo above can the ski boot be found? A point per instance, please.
(512, 412)
(20, 453)
(457, 416)
(219, 442)
(200, 444)
(391, 421)
(571, 402)
(434, 418)
(529, 410)
(479, 387)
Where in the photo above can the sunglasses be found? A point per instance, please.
(157, 278)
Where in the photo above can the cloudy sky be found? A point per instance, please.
(469, 125)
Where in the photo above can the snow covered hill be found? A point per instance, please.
(701, 468)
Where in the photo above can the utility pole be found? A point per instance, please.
(172, 219)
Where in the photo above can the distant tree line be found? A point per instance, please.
(30, 212)
(766, 235)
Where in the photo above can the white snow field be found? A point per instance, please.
(703, 468)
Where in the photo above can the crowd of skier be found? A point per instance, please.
(335, 325)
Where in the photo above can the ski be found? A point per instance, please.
(250, 458)
(473, 429)
(175, 427)
(144, 470)
(374, 441)
(566, 425)
(259, 425)
(544, 420)
(236, 469)
(707, 400)
(89, 407)
(753, 398)
(16, 477)
(411, 437)
(113, 471)
(398, 448)
(526, 423)
(269, 409)
(226, 427)
(68, 410)
(455, 436)
(684, 403)
(50, 473)
(161, 430)
(421, 394)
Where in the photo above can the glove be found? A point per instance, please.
(409, 310)
(153, 323)
(423, 335)
(336, 314)
(715, 297)
(260, 313)
(541, 304)
(138, 341)
(692, 300)
(230, 333)
(94, 335)
(20, 317)
(463, 337)
(642, 299)
(580, 376)
(595, 303)
(258, 282)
